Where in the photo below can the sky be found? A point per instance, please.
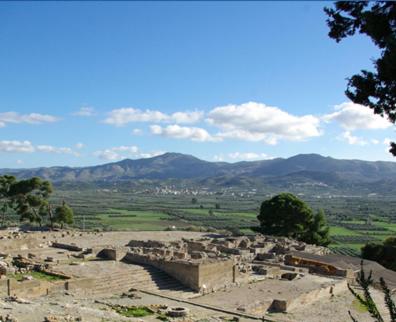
(86, 83)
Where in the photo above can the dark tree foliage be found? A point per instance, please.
(6, 201)
(30, 197)
(367, 301)
(64, 215)
(318, 230)
(287, 215)
(377, 20)
(384, 253)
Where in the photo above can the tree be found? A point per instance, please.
(194, 200)
(30, 197)
(64, 215)
(384, 253)
(287, 215)
(375, 89)
(318, 231)
(6, 202)
(366, 299)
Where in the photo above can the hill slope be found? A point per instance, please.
(308, 169)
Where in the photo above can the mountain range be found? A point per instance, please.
(303, 170)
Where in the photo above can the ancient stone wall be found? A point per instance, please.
(316, 266)
(216, 275)
(199, 276)
(185, 272)
(113, 253)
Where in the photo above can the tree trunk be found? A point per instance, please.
(51, 217)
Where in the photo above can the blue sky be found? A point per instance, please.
(85, 83)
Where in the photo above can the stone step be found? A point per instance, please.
(163, 284)
(143, 278)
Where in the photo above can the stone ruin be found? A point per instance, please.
(209, 264)
(201, 265)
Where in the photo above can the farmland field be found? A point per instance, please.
(108, 209)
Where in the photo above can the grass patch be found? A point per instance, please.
(359, 307)
(134, 220)
(38, 276)
(341, 231)
(389, 226)
(134, 311)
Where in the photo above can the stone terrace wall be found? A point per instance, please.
(200, 277)
(185, 272)
(216, 275)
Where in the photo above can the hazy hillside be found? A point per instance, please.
(303, 169)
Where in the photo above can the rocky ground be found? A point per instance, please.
(69, 306)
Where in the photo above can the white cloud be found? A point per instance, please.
(240, 156)
(351, 139)
(249, 136)
(122, 116)
(16, 146)
(182, 132)
(123, 152)
(375, 141)
(258, 122)
(32, 118)
(107, 154)
(79, 145)
(387, 141)
(85, 111)
(218, 157)
(53, 149)
(137, 132)
(248, 156)
(19, 161)
(355, 116)
(28, 147)
(186, 117)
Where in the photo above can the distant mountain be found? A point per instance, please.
(301, 170)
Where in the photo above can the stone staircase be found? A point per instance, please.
(144, 278)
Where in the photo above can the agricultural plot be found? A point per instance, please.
(350, 236)
(116, 210)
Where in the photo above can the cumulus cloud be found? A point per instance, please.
(387, 141)
(79, 145)
(353, 116)
(248, 156)
(186, 117)
(85, 111)
(32, 118)
(28, 147)
(123, 152)
(122, 116)
(258, 122)
(218, 157)
(54, 149)
(16, 146)
(351, 139)
(137, 132)
(182, 132)
(240, 156)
